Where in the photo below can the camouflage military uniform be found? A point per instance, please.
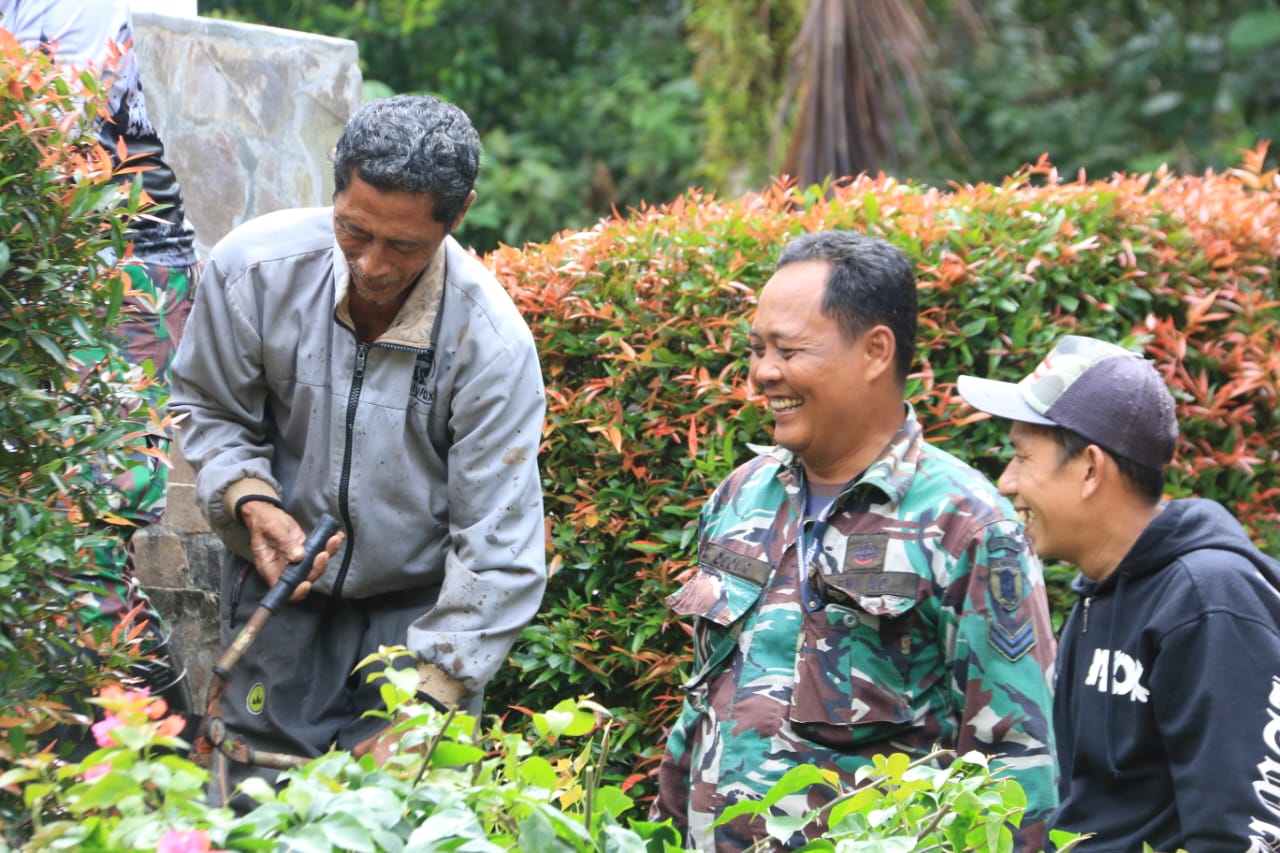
(924, 622)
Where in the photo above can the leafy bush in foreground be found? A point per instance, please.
(61, 222)
(453, 784)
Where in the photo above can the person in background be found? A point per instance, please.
(161, 272)
(1167, 705)
(357, 361)
(858, 591)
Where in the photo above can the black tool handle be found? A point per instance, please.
(296, 573)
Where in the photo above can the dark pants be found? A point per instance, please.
(296, 691)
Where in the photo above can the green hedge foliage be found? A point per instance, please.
(61, 217)
(641, 325)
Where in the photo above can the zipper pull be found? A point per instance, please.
(362, 355)
(1084, 627)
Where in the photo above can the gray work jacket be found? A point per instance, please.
(423, 444)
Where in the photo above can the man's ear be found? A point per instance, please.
(466, 205)
(1098, 466)
(879, 346)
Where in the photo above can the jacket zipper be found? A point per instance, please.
(344, 485)
(1084, 627)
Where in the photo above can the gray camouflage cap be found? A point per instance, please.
(1112, 397)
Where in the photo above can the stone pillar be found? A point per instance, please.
(248, 115)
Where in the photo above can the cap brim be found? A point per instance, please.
(1001, 399)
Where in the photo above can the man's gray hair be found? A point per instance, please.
(413, 143)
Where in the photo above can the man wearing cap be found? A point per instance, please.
(1167, 705)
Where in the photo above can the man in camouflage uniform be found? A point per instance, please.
(916, 617)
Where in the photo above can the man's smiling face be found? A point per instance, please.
(812, 375)
(1045, 490)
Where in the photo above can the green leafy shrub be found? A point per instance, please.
(59, 293)
(899, 806)
(1105, 86)
(452, 784)
(641, 325)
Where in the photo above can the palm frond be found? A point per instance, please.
(858, 68)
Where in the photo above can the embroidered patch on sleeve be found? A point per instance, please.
(1011, 633)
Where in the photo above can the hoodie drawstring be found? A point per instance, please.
(1107, 717)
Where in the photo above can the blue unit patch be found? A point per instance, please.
(1010, 635)
(1007, 584)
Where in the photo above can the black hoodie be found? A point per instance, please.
(1167, 706)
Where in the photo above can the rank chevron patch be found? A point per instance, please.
(1012, 641)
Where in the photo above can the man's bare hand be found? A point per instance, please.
(276, 540)
(382, 745)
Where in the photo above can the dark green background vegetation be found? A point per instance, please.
(589, 104)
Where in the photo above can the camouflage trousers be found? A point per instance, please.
(156, 305)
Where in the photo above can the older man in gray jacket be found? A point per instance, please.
(356, 361)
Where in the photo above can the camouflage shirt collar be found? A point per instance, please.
(891, 473)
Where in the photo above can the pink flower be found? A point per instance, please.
(97, 770)
(102, 730)
(171, 726)
(156, 708)
(192, 841)
(111, 693)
